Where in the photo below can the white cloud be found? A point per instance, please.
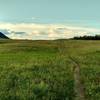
(34, 18)
(45, 31)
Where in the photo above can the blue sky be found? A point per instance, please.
(74, 13)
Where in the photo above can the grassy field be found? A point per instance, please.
(43, 70)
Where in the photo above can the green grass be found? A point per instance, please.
(42, 70)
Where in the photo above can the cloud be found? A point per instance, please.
(5, 31)
(44, 31)
(34, 18)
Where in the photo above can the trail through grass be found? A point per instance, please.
(78, 86)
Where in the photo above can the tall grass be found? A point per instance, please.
(42, 70)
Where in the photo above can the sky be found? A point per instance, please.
(49, 19)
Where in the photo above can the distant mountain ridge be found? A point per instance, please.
(2, 36)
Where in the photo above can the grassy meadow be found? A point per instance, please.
(43, 70)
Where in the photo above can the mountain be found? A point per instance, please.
(2, 36)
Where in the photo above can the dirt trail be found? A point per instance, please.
(78, 86)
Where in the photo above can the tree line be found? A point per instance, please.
(96, 37)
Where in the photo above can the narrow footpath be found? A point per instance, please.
(78, 86)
